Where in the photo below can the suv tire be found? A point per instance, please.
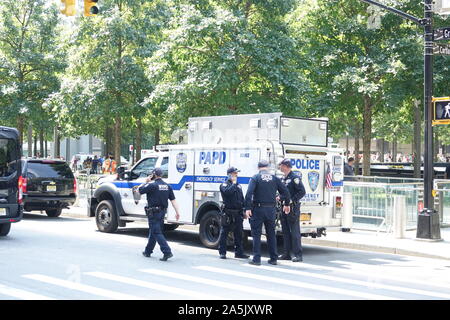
(53, 212)
(4, 229)
(170, 226)
(106, 217)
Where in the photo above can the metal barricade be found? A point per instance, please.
(86, 185)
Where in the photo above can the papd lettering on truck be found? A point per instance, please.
(212, 157)
(310, 172)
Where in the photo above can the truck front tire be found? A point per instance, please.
(106, 217)
(4, 229)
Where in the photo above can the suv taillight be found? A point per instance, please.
(74, 185)
(22, 186)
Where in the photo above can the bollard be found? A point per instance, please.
(399, 216)
(347, 215)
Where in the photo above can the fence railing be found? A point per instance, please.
(86, 185)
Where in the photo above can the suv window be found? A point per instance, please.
(144, 168)
(8, 157)
(49, 170)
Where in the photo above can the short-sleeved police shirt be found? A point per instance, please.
(158, 193)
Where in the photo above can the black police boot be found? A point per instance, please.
(297, 259)
(255, 263)
(166, 256)
(145, 254)
(222, 256)
(284, 257)
(241, 256)
(272, 261)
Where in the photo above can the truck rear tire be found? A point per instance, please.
(210, 229)
(106, 217)
(53, 212)
(4, 229)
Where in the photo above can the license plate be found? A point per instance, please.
(305, 217)
(51, 188)
(2, 211)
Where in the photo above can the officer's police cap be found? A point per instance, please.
(263, 164)
(232, 169)
(286, 162)
(157, 172)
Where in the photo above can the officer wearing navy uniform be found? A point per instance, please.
(158, 193)
(260, 205)
(232, 214)
(290, 223)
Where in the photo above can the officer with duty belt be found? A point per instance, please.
(158, 193)
(290, 223)
(232, 214)
(260, 205)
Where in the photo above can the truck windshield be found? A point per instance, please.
(8, 157)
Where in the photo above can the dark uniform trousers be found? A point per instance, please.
(266, 216)
(236, 227)
(290, 225)
(156, 225)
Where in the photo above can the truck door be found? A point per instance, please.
(181, 178)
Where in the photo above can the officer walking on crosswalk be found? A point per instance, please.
(260, 205)
(232, 214)
(158, 193)
(290, 223)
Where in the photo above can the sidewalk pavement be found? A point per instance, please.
(360, 240)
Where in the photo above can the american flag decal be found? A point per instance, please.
(328, 179)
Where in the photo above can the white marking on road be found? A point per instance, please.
(173, 290)
(368, 284)
(374, 271)
(21, 294)
(293, 283)
(226, 285)
(81, 287)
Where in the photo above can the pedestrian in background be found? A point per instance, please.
(260, 205)
(349, 171)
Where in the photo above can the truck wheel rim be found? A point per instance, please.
(104, 216)
(213, 229)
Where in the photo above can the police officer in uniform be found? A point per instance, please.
(158, 193)
(232, 214)
(260, 205)
(290, 223)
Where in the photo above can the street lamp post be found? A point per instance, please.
(428, 219)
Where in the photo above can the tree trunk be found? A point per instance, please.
(20, 127)
(41, 142)
(394, 150)
(417, 139)
(157, 136)
(357, 136)
(30, 140)
(367, 134)
(58, 143)
(117, 139)
(138, 147)
(35, 144)
(382, 150)
(46, 148)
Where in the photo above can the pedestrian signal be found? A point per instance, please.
(68, 7)
(90, 8)
(441, 110)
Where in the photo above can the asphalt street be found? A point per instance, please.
(67, 258)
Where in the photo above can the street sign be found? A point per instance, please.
(441, 49)
(131, 148)
(441, 110)
(441, 34)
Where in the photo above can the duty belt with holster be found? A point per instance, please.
(149, 211)
(229, 216)
(264, 205)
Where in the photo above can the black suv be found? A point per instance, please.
(48, 185)
(11, 209)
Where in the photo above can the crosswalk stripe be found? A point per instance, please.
(370, 270)
(226, 285)
(21, 294)
(81, 287)
(172, 290)
(293, 283)
(355, 282)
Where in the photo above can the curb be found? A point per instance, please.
(371, 248)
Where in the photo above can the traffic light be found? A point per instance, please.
(68, 7)
(90, 8)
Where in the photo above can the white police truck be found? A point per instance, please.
(195, 171)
